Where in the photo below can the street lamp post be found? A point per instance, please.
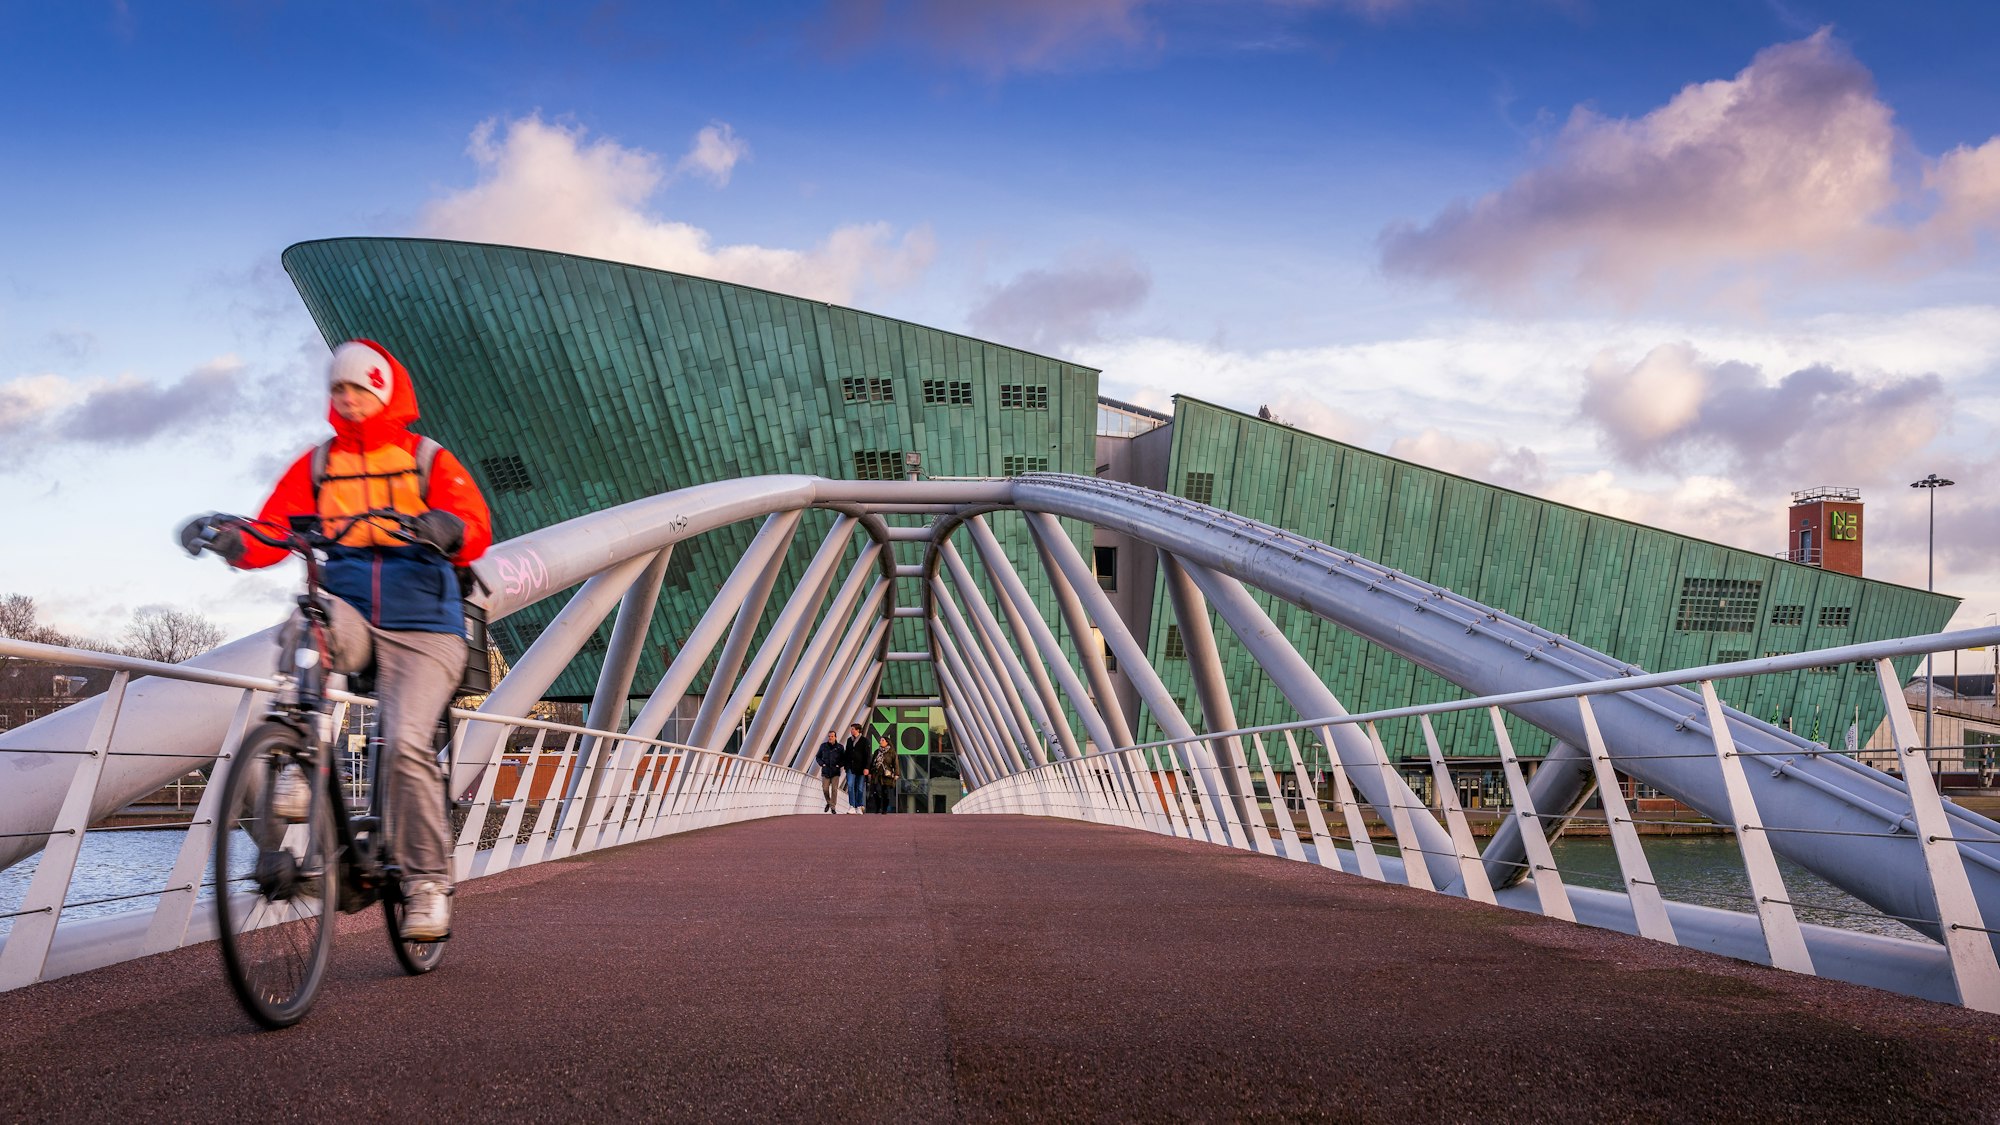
(1930, 484)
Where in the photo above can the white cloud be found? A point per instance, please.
(1676, 407)
(1047, 310)
(1786, 172)
(716, 151)
(549, 186)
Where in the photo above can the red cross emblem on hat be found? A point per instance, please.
(375, 378)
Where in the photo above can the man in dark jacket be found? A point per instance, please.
(827, 758)
(854, 758)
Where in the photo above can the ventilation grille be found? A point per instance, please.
(868, 390)
(1013, 466)
(943, 392)
(1023, 396)
(1199, 487)
(878, 464)
(507, 473)
(1718, 605)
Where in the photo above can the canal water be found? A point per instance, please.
(1707, 870)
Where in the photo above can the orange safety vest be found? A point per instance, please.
(348, 483)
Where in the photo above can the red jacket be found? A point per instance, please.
(395, 587)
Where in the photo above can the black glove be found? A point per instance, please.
(209, 533)
(441, 530)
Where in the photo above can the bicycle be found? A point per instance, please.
(284, 828)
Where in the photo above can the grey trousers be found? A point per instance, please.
(415, 675)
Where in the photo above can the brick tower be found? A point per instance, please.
(1824, 529)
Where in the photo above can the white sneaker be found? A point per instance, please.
(427, 912)
(291, 794)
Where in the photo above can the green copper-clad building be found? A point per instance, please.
(569, 385)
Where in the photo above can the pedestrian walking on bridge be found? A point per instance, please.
(827, 758)
(882, 775)
(854, 758)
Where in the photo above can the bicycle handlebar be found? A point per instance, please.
(298, 539)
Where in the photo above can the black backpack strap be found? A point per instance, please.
(319, 456)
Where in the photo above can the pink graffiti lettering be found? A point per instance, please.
(522, 574)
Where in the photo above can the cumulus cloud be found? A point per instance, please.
(1046, 310)
(48, 410)
(716, 151)
(550, 186)
(1674, 407)
(1788, 170)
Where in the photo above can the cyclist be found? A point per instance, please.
(396, 603)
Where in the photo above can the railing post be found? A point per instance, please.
(1288, 833)
(1782, 939)
(1549, 890)
(27, 951)
(475, 817)
(1648, 911)
(1365, 860)
(1323, 846)
(1471, 872)
(502, 855)
(1416, 871)
(1963, 926)
(168, 928)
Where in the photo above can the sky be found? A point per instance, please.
(1666, 261)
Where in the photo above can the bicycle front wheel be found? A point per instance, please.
(276, 875)
(416, 957)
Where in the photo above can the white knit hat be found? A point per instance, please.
(364, 366)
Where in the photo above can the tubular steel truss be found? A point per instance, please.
(1036, 729)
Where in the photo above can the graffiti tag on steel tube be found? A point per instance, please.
(524, 573)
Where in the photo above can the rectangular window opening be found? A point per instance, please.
(507, 473)
(878, 464)
(1106, 565)
(1836, 616)
(1718, 605)
(868, 390)
(1199, 487)
(1175, 648)
(1788, 615)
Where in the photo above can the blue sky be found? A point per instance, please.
(1669, 261)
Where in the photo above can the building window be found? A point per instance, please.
(6, 721)
(1110, 658)
(1175, 648)
(1731, 655)
(1836, 616)
(1865, 667)
(946, 392)
(1106, 565)
(1023, 396)
(1823, 669)
(1013, 466)
(63, 687)
(1199, 487)
(1788, 615)
(868, 390)
(1718, 605)
(878, 464)
(507, 474)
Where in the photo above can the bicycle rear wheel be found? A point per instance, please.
(276, 878)
(416, 957)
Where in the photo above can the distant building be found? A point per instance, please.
(30, 689)
(568, 385)
(1824, 529)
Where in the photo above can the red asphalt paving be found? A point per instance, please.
(984, 968)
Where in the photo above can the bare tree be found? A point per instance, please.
(169, 635)
(20, 621)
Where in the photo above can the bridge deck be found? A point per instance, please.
(973, 968)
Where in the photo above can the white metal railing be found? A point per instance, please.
(1148, 787)
(642, 788)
